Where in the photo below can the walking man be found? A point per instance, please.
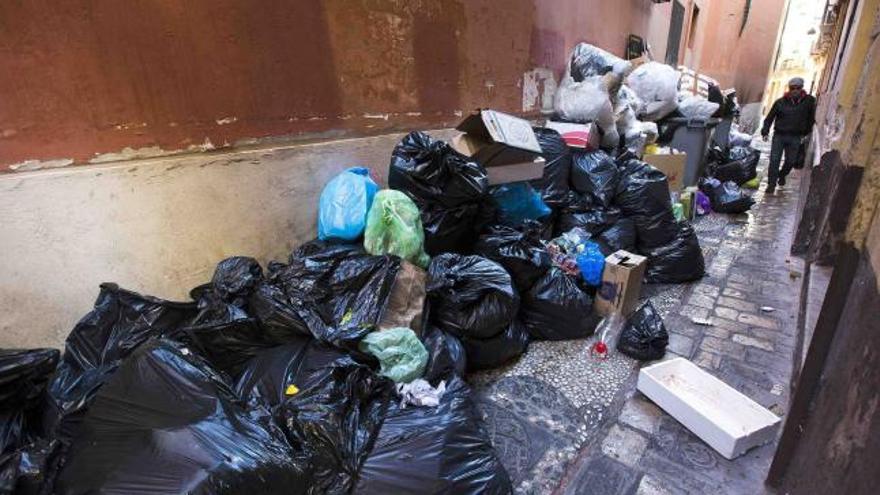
(794, 114)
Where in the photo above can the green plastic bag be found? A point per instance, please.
(394, 226)
(401, 354)
(752, 184)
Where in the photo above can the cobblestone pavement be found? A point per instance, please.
(567, 424)
(750, 294)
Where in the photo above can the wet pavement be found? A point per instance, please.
(563, 422)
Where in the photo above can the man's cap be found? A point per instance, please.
(796, 81)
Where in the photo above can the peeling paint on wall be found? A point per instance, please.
(539, 87)
(29, 165)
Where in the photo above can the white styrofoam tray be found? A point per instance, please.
(727, 420)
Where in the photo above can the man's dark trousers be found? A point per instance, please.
(789, 144)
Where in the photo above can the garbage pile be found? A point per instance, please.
(340, 370)
(729, 171)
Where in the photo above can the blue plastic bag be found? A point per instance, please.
(518, 202)
(591, 261)
(344, 204)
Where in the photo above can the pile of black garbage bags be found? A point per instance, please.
(727, 170)
(260, 383)
(255, 386)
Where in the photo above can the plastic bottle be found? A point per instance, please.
(608, 334)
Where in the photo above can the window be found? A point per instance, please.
(692, 29)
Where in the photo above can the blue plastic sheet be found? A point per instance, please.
(518, 202)
(344, 204)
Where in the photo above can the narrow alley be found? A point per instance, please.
(385, 247)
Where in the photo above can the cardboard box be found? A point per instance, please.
(727, 420)
(672, 165)
(517, 172)
(580, 136)
(621, 283)
(494, 138)
(407, 298)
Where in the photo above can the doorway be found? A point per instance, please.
(675, 27)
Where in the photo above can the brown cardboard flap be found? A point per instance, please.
(672, 165)
(516, 172)
(501, 128)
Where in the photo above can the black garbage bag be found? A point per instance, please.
(590, 61)
(264, 380)
(335, 422)
(24, 375)
(557, 308)
(643, 195)
(644, 336)
(23, 378)
(518, 249)
(328, 405)
(446, 355)
(165, 422)
(434, 450)
(453, 230)
(747, 154)
(553, 185)
(29, 470)
(235, 278)
(484, 354)
(679, 261)
(621, 235)
(333, 292)
(595, 173)
(120, 322)
(431, 171)
(726, 197)
(470, 296)
(450, 190)
(227, 346)
(737, 171)
(225, 298)
(583, 212)
(717, 154)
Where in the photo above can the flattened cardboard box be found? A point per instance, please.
(494, 138)
(621, 283)
(672, 165)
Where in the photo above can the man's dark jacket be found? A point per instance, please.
(794, 115)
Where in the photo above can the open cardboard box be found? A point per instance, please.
(494, 138)
(672, 165)
(621, 283)
(505, 145)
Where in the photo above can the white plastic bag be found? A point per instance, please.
(587, 101)
(639, 135)
(696, 107)
(739, 139)
(657, 85)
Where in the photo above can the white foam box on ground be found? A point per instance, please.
(727, 420)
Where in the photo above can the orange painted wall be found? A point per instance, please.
(83, 78)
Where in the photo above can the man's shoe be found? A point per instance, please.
(770, 190)
(782, 180)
